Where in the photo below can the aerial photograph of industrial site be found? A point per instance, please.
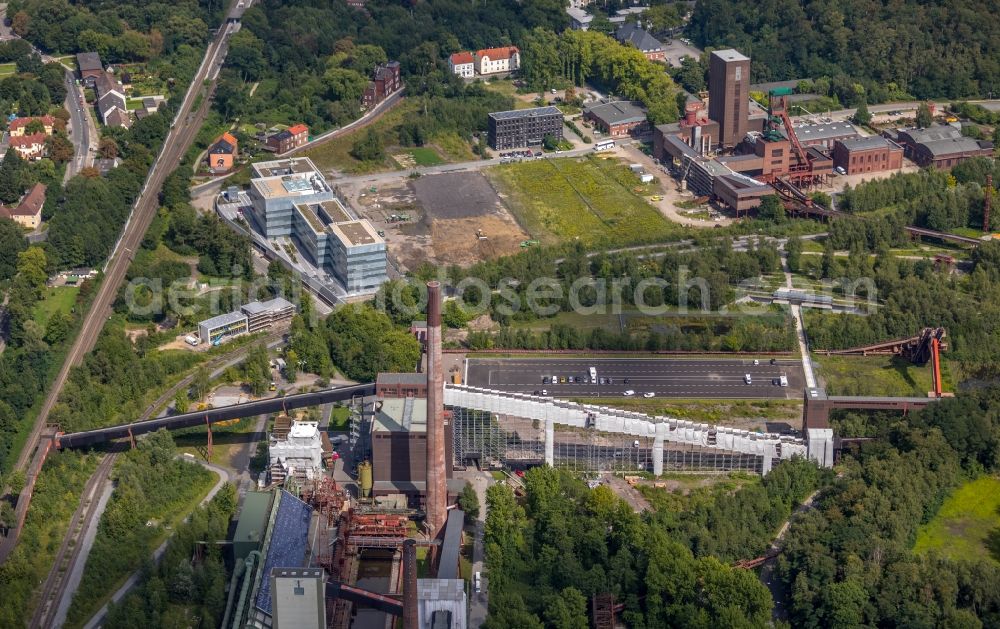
(508, 314)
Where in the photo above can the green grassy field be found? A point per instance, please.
(58, 299)
(133, 103)
(876, 375)
(722, 412)
(425, 156)
(340, 418)
(968, 524)
(7, 69)
(593, 200)
(336, 153)
(507, 89)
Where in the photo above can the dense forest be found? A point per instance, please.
(565, 543)
(118, 31)
(848, 561)
(929, 49)
(582, 56)
(913, 293)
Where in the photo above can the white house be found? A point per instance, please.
(463, 64)
(497, 60)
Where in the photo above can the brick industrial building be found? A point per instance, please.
(729, 89)
(618, 119)
(521, 128)
(939, 146)
(867, 155)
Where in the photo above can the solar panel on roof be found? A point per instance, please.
(288, 544)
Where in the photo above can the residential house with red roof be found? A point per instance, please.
(222, 153)
(292, 137)
(463, 64)
(29, 147)
(498, 60)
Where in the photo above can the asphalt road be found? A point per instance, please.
(178, 140)
(708, 378)
(79, 124)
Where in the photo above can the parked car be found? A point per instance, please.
(629, 393)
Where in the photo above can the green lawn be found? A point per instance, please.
(507, 89)
(876, 375)
(8, 68)
(425, 156)
(133, 103)
(968, 524)
(58, 299)
(721, 412)
(340, 418)
(590, 199)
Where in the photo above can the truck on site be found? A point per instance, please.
(593, 375)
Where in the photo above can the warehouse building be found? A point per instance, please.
(298, 598)
(272, 535)
(521, 128)
(400, 385)
(867, 155)
(739, 192)
(618, 119)
(939, 146)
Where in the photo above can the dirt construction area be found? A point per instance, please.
(450, 218)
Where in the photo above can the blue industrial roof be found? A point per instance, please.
(288, 545)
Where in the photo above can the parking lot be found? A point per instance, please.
(709, 378)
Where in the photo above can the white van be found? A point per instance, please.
(477, 582)
(783, 380)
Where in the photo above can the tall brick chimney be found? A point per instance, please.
(437, 489)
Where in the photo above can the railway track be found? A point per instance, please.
(55, 584)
